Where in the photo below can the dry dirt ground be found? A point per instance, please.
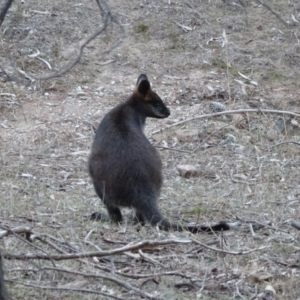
(195, 53)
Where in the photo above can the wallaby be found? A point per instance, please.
(125, 168)
(3, 292)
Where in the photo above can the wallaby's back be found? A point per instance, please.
(126, 169)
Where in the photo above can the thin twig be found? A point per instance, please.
(242, 181)
(43, 287)
(251, 230)
(34, 246)
(150, 259)
(230, 112)
(173, 149)
(262, 225)
(238, 291)
(16, 230)
(281, 143)
(64, 243)
(44, 241)
(213, 133)
(241, 252)
(107, 17)
(273, 12)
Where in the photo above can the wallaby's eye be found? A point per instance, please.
(157, 105)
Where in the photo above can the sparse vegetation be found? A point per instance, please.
(141, 28)
(249, 169)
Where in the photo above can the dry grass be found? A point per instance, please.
(46, 134)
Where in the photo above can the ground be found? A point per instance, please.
(200, 56)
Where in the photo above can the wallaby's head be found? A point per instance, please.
(148, 101)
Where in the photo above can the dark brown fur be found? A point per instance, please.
(125, 168)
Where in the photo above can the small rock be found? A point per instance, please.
(80, 92)
(217, 106)
(188, 171)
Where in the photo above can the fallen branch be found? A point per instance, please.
(18, 230)
(135, 247)
(230, 112)
(29, 237)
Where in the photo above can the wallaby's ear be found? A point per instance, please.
(143, 84)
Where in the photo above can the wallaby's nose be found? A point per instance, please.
(167, 112)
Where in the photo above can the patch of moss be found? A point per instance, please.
(173, 37)
(197, 211)
(141, 28)
(219, 64)
(273, 76)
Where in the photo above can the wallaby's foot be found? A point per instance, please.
(103, 217)
(114, 214)
(139, 219)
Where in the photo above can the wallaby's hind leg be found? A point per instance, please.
(98, 216)
(114, 214)
(139, 218)
(151, 213)
(113, 211)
